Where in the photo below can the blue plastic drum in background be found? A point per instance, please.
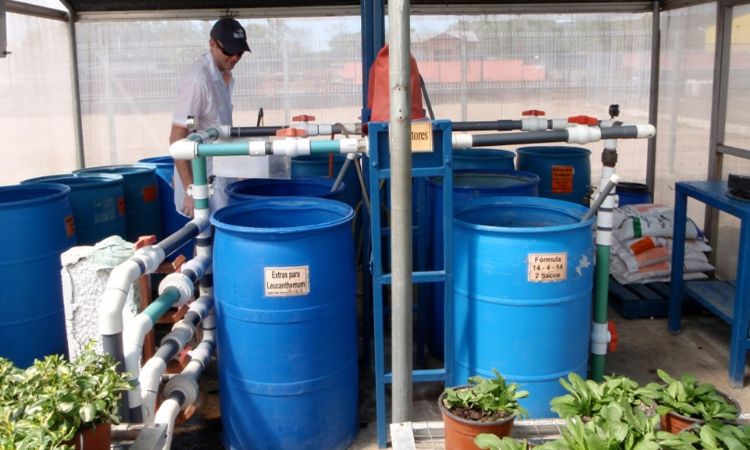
(284, 285)
(632, 193)
(564, 172)
(98, 204)
(171, 220)
(254, 188)
(318, 166)
(523, 271)
(483, 159)
(36, 226)
(141, 198)
(467, 184)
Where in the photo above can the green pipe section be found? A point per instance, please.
(200, 178)
(601, 295)
(162, 303)
(237, 149)
(321, 147)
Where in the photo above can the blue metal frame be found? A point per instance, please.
(714, 194)
(437, 163)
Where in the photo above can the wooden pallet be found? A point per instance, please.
(640, 301)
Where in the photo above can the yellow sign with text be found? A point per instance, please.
(421, 137)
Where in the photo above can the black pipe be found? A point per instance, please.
(488, 125)
(254, 131)
(176, 240)
(539, 137)
(167, 349)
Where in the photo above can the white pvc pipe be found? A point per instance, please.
(132, 342)
(167, 414)
(149, 380)
(115, 294)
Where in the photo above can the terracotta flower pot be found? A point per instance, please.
(460, 432)
(93, 438)
(675, 422)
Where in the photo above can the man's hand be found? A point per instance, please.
(187, 206)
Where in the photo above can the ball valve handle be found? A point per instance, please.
(583, 120)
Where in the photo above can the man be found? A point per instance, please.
(206, 94)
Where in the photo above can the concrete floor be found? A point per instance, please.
(702, 348)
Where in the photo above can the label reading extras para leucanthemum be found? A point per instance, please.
(547, 267)
(286, 281)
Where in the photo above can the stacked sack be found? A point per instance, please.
(642, 245)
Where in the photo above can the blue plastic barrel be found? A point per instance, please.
(467, 184)
(523, 275)
(254, 188)
(36, 225)
(564, 172)
(284, 285)
(317, 166)
(171, 220)
(483, 159)
(141, 198)
(98, 204)
(632, 193)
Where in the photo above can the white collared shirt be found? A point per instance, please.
(205, 95)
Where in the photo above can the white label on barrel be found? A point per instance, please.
(548, 267)
(286, 281)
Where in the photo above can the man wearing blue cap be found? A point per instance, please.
(206, 94)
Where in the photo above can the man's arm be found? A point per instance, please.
(183, 168)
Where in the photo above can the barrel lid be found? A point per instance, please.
(488, 179)
(276, 186)
(79, 180)
(520, 215)
(282, 215)
(123, 169)
(158, 160)
(26, 195)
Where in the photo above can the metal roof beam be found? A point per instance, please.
(27, 9)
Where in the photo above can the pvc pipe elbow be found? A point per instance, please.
(183, 149)
(115, 294)
(181, 333)
(149, 380)
(199, 265)
(182, 283)
(202, 306)
(462, 140)
(132, 342)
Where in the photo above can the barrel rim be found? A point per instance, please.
(94, 179)
(218, 217)
(231, 189)
(117, 169)
(560, 150)
(156, 160)
(532, 177)
(62, 190)
(573, 210)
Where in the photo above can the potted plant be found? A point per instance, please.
(684, 402)
(56, 403)
(586, 398)
(485, 405)
(492, 442)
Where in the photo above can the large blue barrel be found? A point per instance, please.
(564, 172)
(98, 204)
(483, 159)
(632, 193)
(467, 184)
(141, 198)
(171, 220)
(318, 166)
(254, 188)
(523, 275)
(284, 285)
(36, 225)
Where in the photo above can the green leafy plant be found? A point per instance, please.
(688, 397)
(46, 404)
(491, 442)
(486, 399)
(586, 398)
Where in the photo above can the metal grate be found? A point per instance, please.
(430, 435)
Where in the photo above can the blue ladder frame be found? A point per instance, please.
(435, 163)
